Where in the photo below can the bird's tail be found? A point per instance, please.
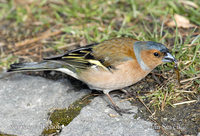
(44, 65)
(33, 66)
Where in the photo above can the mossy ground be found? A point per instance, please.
(62, 117)
(1, 134)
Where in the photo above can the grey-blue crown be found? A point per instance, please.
(151, 45)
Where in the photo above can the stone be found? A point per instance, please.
(100, 120)
(25, 102)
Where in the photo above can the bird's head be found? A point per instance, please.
(151, 54)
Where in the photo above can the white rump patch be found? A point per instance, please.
(68, 72)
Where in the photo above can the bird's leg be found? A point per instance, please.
(127, 95)
(115, 107)
(113, 103)
(156, 78)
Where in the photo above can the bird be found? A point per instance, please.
(106, 66)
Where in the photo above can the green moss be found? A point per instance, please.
(60, 117)
(1, 134)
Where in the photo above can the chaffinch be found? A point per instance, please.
(107, 66)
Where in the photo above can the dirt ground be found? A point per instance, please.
(178, 120)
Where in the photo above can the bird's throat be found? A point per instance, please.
(137, 51)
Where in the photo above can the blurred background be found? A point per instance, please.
(33, 29)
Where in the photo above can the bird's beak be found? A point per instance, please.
(168, 58)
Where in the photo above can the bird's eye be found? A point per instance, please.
(156, 54)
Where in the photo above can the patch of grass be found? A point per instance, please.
(186, 51)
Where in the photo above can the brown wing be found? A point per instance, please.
(106, 54)
(113, 51)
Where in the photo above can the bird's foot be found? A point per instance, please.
(121, 96)
(121, 111)
(125, 95)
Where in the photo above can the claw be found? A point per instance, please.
(115, 107)
(121, 111)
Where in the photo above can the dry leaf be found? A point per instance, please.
(181, 22)
(188, 3)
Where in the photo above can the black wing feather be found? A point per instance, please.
(81, 58)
